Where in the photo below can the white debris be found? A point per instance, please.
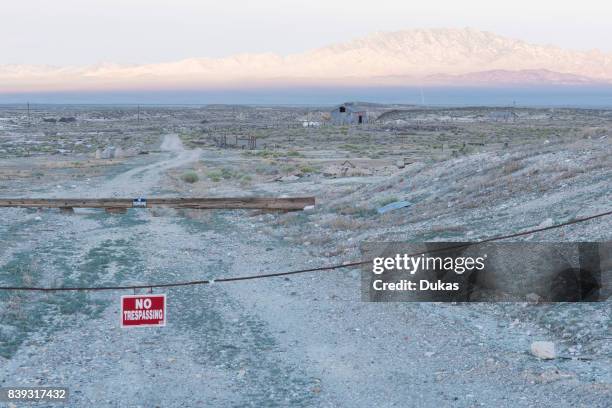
(533, 298)
(546, 223)
(544, 350)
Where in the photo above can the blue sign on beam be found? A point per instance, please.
(139, 202)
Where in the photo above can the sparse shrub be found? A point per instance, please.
(350, 147)
(342, 223)
(287, 168)
(271, 154)
(308, 169)
(245, 179)
(215, 175)
(227, 173)
(190, 177)
(358, 211)
(387, 200)
(266, 169)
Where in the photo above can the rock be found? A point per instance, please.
(400, 164)
(291, 177)
(544, 350)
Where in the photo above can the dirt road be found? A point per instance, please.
(304, 341)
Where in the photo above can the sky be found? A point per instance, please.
(77, 32)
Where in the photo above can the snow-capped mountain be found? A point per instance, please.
(424, 57)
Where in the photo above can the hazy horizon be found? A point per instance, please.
(578, 97)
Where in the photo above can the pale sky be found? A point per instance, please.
(64, 32)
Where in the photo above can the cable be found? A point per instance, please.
(300, 271)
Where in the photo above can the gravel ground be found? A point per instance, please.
(301, 341)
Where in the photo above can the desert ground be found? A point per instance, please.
(305, 340)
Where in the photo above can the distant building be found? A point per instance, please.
(349, 114)
(503, 116)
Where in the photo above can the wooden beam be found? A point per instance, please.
(258, 203)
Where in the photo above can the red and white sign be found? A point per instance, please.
(143, 310)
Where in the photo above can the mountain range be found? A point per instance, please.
(425, 57)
